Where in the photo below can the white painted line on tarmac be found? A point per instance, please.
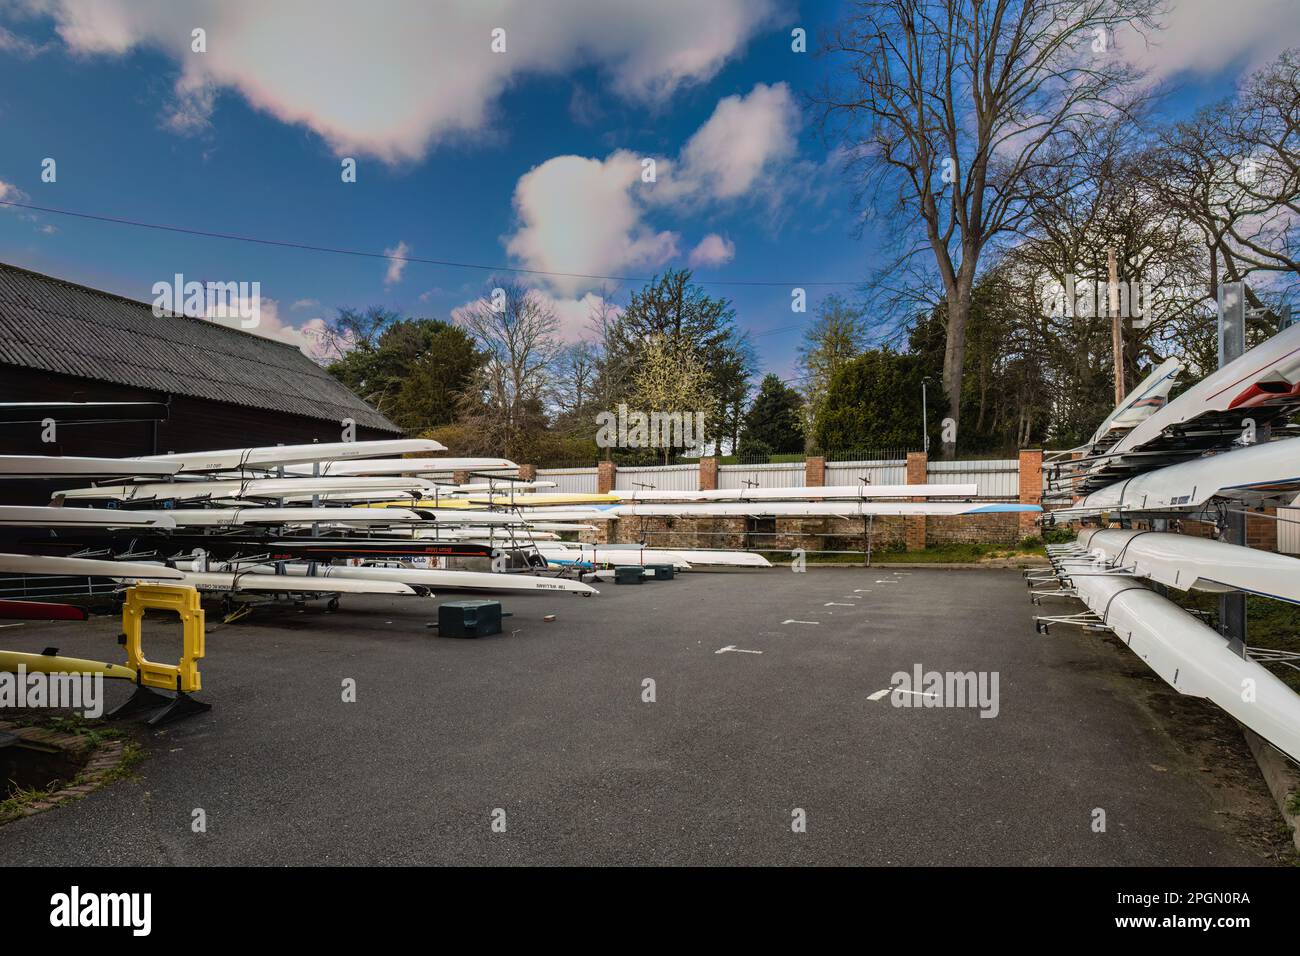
(738, 650)
(879, 694)
(790, 620)
(838, 604)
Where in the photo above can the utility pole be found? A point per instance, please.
(1232, 345)
(1116, 325)
(925, 425)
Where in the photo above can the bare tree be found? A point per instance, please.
(1234, 171)
(515, 328)
(962, 106)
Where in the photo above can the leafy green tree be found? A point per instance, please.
(671, 306)
(412, 370)
(873, 401)
(774, 423)
(834, 337)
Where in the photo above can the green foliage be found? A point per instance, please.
(774, 422)
(873, 401)
(672, 310)
(412, 370)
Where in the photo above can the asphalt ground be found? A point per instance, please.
(547, 723)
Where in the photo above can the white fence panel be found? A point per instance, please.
(658, 478)
(996, 478)
(1288, 530)
(884, 472)
(573, 481)
(779, 475)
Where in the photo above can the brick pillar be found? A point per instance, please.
(605, 471)
(708, 474)
(528, 472)
(460, 477)
(1031, 488)
(814, 472)
(918, 464)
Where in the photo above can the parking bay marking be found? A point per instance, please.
(888, 690)
(734, 648)
(790, 620)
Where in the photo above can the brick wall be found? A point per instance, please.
(1031, 489)
(973, 529)
(708, 474)
(814, 472)
(605, 473)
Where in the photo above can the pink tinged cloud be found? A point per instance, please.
(713, 250)
(396, 263)
(581, 216)
(388, 80)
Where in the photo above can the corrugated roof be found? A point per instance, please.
(57, 326)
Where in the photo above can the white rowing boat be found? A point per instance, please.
(234, 488)
(1194, 659)
(809, 493)
(225, 581)
(408, 466)
(439, 578)
(46, 517)
(809, 509)
(637, 554)
(68, 466)
(237, 517)
(1196, 564)
(1254, 475)
(273, 456)
(78, 567)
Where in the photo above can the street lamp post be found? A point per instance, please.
(925, 425)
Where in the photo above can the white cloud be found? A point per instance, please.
(738, 147)
(713, 250)
(303, 304)
(587, 216)
(388, 80)
(578, 215)
(1206, 36)
(396, 264)
(307, 337)
(19, 46)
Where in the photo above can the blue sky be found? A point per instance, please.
(461, 152)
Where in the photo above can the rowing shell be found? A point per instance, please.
(860, 491)
(1251, 475)
(273, 456)
(242, 488)
(409, 466)
(226, 581)
(1187, 563)
(42, 517)
(441, 578)
(43, 564)
(1194, 659)
(638, 555)
(67, 466)
(845, 509)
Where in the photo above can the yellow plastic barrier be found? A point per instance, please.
(182, 677)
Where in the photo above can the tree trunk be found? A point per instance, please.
(954, 362)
